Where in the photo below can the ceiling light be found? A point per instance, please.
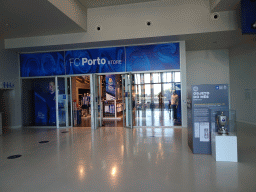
(254, 25)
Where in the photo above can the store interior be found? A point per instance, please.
(149, 104)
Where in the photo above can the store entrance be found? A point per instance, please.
(157, 99)
(81, 101)
(150, 99)
(114, 100)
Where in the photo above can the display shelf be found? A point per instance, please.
(113, 108)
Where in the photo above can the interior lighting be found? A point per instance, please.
(254, 25)
(113, 172)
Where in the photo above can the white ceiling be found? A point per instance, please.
(27, 18)
(104, 3)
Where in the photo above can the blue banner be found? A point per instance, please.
(111, 85)
(102, 60)
(153, 57)
(42, 64)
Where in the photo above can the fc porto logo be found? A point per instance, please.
(195, 88)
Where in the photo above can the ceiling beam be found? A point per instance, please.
(74, 10)
(223, 5)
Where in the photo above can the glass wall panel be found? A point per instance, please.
(155, 91)
(167, 77)
(167, 93)
(156, 78)
(177, 77)
(147, 78)
(157, 94)
(147, 95)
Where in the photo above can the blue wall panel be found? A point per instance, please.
(153, 57)
(42, 64)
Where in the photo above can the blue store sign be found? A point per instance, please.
(103, 60)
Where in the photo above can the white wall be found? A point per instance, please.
(242, 77)
(168, 18)
(10, 99)
(207, 67)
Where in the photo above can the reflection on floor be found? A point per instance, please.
(85, 121)
(147, 117)
(155, 117)
(121, 159)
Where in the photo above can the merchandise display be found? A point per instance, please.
(222, 122)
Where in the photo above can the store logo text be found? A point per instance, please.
(98, 61)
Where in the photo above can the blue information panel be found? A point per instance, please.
(42, 64)
(207, 100)
(153, 57)
(102, 60)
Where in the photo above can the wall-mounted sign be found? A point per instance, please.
(102, 60)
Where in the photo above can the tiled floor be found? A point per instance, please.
(120, 159)
(148, 117)
(155, 117)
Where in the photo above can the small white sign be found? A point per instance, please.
(204, 132)
(196, 129)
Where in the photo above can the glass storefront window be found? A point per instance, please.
(147, 94)
(156, 78)
(177, 77)
(137, 78)
(155, 92)
(147, 78)
(167, 77)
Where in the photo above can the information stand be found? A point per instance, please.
(204, 99)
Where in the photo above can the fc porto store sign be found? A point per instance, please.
(102, 60)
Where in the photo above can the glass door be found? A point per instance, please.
(112, 105)
(63, 100)
(127, 81)
(96, 121)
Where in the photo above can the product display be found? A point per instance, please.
(222, 122)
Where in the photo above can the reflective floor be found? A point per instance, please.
(155, 117)
(148, 117)
(120, 159)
